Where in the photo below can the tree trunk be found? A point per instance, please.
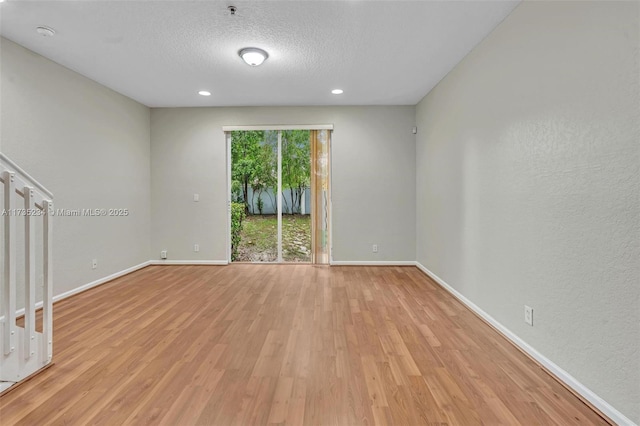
(300, 200)
(245, 191)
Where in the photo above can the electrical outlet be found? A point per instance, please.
(528, 315)
(196, 248)
(375, 248)
(94, 263)
(196, 197)
(163, 254)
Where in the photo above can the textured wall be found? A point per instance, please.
(528, 187)
(90, 147)
(373, 178)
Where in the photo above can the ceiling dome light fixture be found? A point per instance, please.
(204, 93)
(45, 31)
(337, 91)
(253, 56)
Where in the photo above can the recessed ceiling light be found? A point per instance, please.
(204, 93)
(337, 91)
(253, 56)
(45, 31)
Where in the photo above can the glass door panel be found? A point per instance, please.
(296, 195)
(254, 183)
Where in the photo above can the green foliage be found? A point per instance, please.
(296, 165)
(237, 216)
(236, 192)
(253, 163)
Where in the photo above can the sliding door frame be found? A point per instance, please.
(279, 197)
(279, 128)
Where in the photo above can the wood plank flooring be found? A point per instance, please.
(283, 344)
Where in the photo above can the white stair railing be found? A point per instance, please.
(23, 350)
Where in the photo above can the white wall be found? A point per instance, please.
(88, 145)
(373, 179)
(528, 158)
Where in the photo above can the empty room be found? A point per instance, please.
(320, 212)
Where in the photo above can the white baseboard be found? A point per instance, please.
(84, 287)
(372, 263)
(606, 408)
(118, 274)
(100, 281)
(189, 262)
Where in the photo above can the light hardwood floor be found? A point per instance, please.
(283, 344)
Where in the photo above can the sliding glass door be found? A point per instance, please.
(278, 195)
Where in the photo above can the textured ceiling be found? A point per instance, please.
(161, 53)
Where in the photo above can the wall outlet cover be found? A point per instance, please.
(528, 315)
